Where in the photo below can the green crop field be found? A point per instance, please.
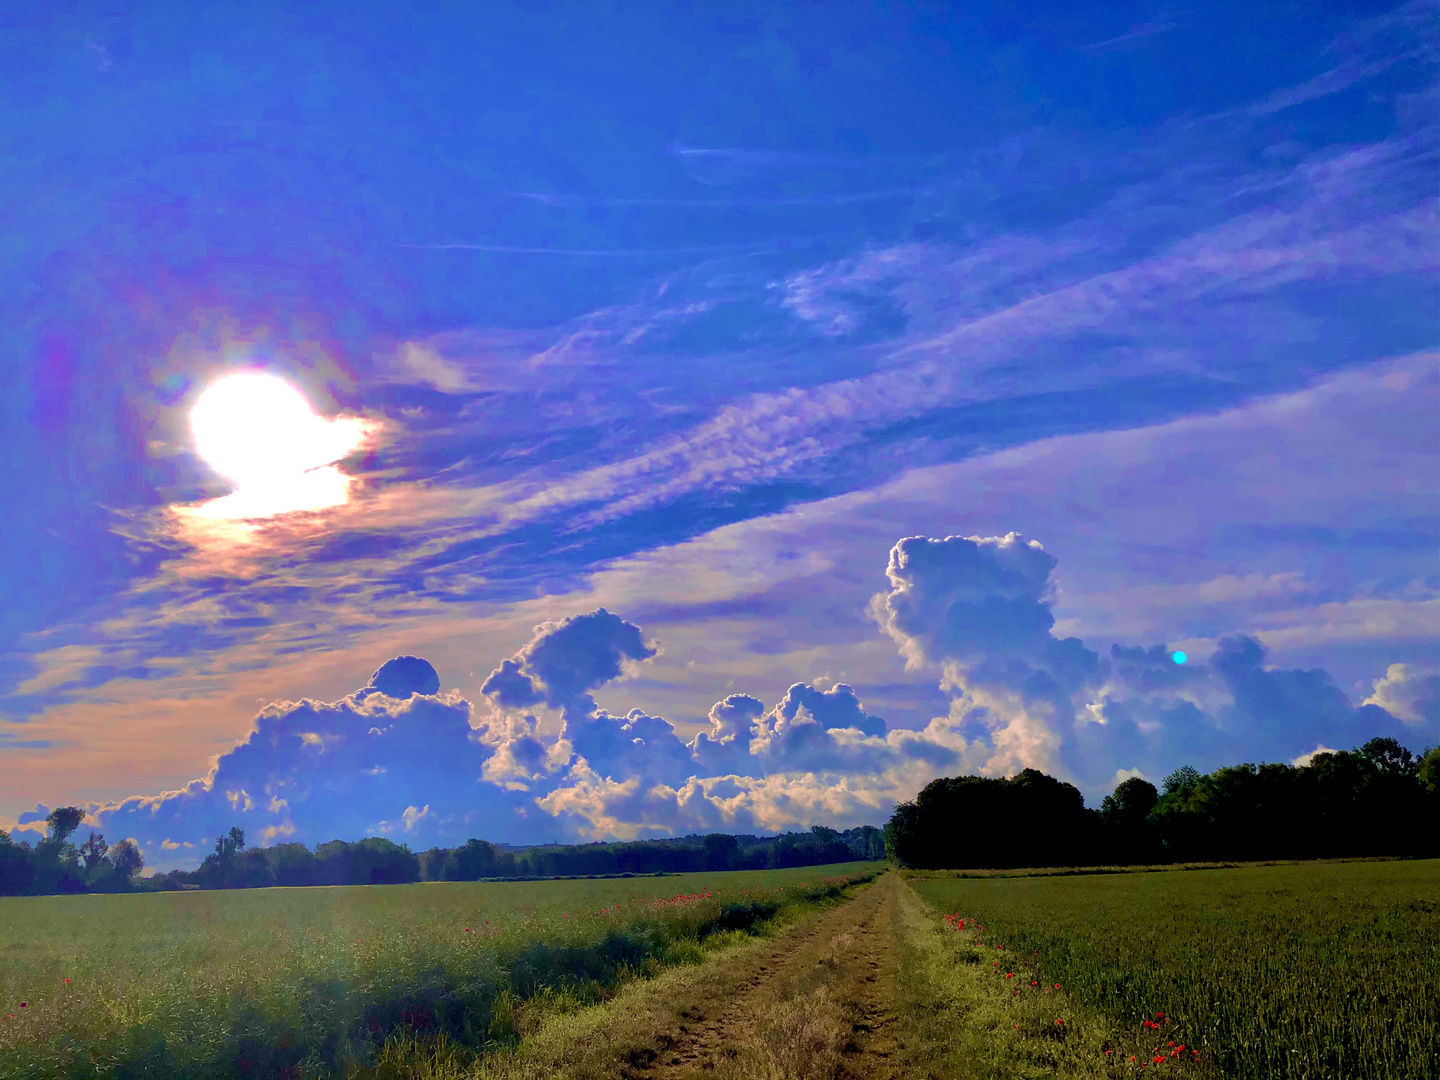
(1303, 971)
(1286, 971)
(276, 982)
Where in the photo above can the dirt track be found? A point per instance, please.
(818, 1001)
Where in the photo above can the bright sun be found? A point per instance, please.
(259, 431)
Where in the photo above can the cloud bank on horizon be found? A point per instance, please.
(402, 759)
(659, 342)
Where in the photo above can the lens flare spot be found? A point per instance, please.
(1179, 657)
(258, 431)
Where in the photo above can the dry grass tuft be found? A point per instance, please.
(799, 1039)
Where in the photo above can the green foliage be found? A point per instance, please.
(315, 982)
(1389, 757)
(1279, 971)
(63, 821)
(124, 862)
(92, 852)
(56, 866)
(1343, 804)
(1428, 772)
(1361, 802)
(1129, 804)
(1030, 820)
(1181, 780)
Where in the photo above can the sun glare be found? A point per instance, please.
(258, 431)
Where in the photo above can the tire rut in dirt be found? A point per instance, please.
(818, 1006)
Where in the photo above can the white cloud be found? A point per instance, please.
(424, 362)
(1305, 759)
(1411, 693)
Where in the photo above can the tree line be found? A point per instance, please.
(55, 865)
(1377, 799)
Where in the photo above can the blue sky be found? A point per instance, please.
(693, 320)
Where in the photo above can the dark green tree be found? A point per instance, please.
(17, 866)
(475, 860)
(721, 852)
(126, 862)
(1125, 813)
(92, 852)
(1130, 803)
(63, 821)
(1429, 772)
(1389, 757)
(978, 821)
(230, 844)
(57, 863)
(1181, 780)
(372, 861)
(291, 864)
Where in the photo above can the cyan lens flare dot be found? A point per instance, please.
(1178, 656)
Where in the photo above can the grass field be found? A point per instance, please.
(312, 982)
(1254, 972)
(1308, 970)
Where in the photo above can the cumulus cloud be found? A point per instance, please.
(967, 598)
(980, 609)
(312, 771)
(1411, 694)
(399, 757)
(1230, 709)
(725, 748)
(565, 660)
(39, 814)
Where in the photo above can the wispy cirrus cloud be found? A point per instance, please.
(1136, 34)
(1105, 344)
(1364, 51)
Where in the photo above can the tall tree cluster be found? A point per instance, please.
(56, 865)
(1378, 799)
